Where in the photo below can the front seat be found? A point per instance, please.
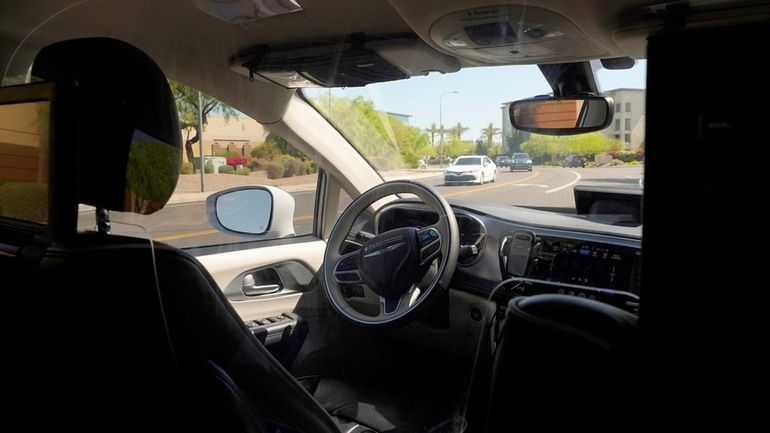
(563, 361)
(125, 333)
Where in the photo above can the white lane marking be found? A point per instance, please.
(540, 185)
(577, 178)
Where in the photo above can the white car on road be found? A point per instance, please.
(471, 169)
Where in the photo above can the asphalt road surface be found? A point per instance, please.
(186, 224)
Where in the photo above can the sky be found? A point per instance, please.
(481, 92)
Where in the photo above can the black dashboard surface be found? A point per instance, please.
(516, 251)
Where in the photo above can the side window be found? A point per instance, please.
(237, 151)
(23, 161)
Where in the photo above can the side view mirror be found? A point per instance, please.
(562, 115)
(252, 210)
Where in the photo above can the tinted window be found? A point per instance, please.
(468, 161)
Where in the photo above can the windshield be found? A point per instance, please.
(416, 128)
(468, 161)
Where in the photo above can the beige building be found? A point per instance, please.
(238, 134)
(628, 123)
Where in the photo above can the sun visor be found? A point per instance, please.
(351, 61)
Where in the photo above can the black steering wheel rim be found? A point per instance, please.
(410, 302)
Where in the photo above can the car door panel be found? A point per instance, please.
(230, 268)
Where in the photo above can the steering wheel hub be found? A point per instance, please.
(389, 263)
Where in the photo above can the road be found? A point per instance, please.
(186, 224)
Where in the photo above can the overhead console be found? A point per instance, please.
(509, 34)
(346, 61)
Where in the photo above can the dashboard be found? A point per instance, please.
(503, 257)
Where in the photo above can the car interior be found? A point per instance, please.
(402, 309)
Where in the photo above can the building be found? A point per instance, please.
(628, 123)
(403, 118)
(237, 134)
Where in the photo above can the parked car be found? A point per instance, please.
(503, 161)
(574, 161)
(521, 161)
(471, 169)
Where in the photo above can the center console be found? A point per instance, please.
(545, 264)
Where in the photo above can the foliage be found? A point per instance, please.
(243, 171)
(187, 168)
(458, 130)
(24, 200)
(274, 170)
(458, 148)
(433, 131)
(208, 168)
(152, 172)
(496, 149)
(187, 105)
(236, 161)
(515, 139)
(627, 156)
(384, 140)
(226, 169)
(542, 146)
(482, 147)
(291, 165)
(489, 133)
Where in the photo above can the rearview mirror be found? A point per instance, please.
(252, 210)
(562, 115)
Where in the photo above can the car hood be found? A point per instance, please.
(463, 168)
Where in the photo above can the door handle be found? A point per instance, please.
(249, 287)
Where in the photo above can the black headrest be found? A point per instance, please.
(128, 144)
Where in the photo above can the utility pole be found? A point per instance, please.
(441, 127)
(200, 140)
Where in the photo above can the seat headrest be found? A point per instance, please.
(128, 143)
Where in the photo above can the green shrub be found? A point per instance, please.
(151, 172)
(226, 169)
(208, 168)
(617, 162)
(187, 168)
(243, 171)
(290, 165)
(24, 200)
(311, 167)
(274, 170)
(633, 162)
(261, 164)
(252, 165)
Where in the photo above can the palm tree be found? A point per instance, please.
(489, 133)
(458, 130)
(433, 130)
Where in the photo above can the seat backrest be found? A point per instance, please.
(554, 354)
(127, 333)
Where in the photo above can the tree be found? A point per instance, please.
(433, 130)
(458, 130)
(187, 106)
(514, 139)
(384, 140)
(489, 133)
(481, 147)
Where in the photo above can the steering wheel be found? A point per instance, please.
(392, 264)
